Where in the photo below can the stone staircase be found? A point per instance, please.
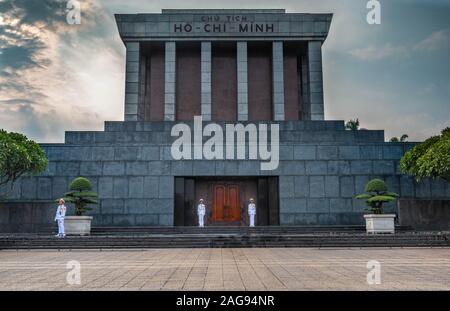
(132, 132)
(240, 230)
(226, 237)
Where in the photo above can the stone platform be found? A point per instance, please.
(322, 167)
(214, 237)
(227, 269)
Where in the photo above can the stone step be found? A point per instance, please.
(133, 126)
(217, 240)
(164, 137)
(288, 152)
(225, 230)
(232, 229)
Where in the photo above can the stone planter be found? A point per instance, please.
(383, 223)
(78, 225)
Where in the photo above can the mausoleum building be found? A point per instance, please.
(229, 67)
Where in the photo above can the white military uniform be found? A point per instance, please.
(59, 217)
(252, 213)
(201, 211)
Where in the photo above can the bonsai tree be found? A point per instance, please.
(81, 195)
(352, 125)
(402, 139)
(376, 194)
(429, 159)
(18, 156)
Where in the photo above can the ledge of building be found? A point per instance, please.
(226, 11)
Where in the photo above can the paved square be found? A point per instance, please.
(227, 269)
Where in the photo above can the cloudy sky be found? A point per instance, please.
(56, 77)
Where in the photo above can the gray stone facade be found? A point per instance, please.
(315, 80)
(132, 81)
(206, 80)
(194, 24)
(170, 81)
(322, 167)
(278, 80)
(241, 26)
(242, 81)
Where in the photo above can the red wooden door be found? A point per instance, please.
(226, 203)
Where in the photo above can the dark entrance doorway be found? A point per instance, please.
(226, 200)
(226, 207)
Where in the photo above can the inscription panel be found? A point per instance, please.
(259, 25)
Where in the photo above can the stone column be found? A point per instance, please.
(242, 81)
(132, 81)
(142, 86)
(169, 82)
(306, 106)
(315, 80)
(206, 81)
(278, 80)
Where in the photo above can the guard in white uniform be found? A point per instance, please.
(201, 211)
(252, 212)
(59, 217)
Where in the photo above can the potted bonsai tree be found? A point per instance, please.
(376, 194)
(81, 195)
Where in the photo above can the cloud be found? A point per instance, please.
(16, 101)
(25, 43)
(435, 41)
(374, 53)
(428, 89)
(394, 110)
(408, 124)
(438, 40)
(44, 125)
(55, 76)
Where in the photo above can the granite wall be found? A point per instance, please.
(322, 167)
(421, 214)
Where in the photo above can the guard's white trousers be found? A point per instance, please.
(61, 226)
(201, 220)
(252, 220)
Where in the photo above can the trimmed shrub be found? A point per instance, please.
(81, 195)
(376, 194)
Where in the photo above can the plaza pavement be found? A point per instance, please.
(227, 269)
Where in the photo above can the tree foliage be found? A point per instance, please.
(376, 194)
(352, 125)
(402, 139)
(429, 159)
(18, 156)
(81, 195)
